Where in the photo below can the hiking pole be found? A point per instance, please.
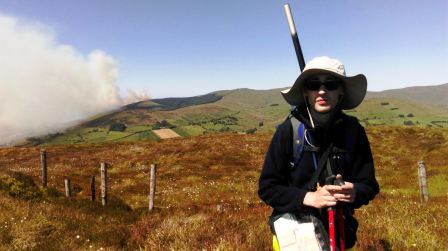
(330, 210)
(295, 41)
(295, 38)
(340, 214)
(341, 229)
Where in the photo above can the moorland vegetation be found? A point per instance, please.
(206, 194)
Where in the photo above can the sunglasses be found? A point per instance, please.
(315, 84)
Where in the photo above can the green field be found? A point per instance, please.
(99, 134)
(238, 111)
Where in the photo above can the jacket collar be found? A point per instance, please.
(321, 136)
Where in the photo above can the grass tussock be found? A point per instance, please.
(206, 195)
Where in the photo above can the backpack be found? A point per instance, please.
(299, 139)
(298, 142)
(301, 142)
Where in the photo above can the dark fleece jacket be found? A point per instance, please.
(284, 187)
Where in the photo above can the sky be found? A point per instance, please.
(71, 59)
(185, 48)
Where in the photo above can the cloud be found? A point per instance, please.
(44, 84)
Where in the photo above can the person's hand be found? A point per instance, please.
(329, 195)
(347, 192)
(322, 197)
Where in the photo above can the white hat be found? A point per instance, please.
(355, 87)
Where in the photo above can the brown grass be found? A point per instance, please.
(206, 195)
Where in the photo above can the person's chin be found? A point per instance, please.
(323, 109)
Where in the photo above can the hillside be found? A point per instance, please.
(426, 95)
(244, 111)
(206, 195)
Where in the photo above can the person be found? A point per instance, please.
(318, 96)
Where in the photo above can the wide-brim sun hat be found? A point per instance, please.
(355, 87)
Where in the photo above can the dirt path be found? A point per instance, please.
(166, 133)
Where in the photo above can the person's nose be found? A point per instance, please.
(322, 90)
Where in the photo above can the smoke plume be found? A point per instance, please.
(44, 85)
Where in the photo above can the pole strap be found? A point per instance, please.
(321, 163)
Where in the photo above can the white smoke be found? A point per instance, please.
(44, 85)
(135, 96)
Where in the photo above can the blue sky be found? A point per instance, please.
(185, 48)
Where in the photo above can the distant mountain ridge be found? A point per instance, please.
(168, 104)
(246, 111)
(436, 95)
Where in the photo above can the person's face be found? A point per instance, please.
(323, 92)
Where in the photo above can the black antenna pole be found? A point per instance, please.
(295, 38)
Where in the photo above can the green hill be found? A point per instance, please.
(434, 96)
(245, 111)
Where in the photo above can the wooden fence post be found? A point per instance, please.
(152, 186)
(422, 181)
(104, 183)
(92, 188)
(43, 164)
(68, 188)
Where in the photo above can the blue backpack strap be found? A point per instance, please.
(298, 143)
(298, 129)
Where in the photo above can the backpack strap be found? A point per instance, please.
(321, 163)
(298, 141)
